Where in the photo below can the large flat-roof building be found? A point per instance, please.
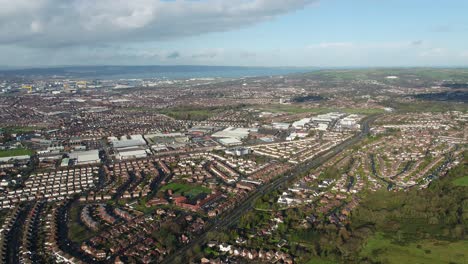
(301, 123)
(131, 153)
(123, 142)
(233, 132)
(130, 147)
(230, 141)
(86, 157)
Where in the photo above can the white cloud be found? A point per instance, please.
(327, 45)
(434, 52)
(367, 45)
(51, 23)
(36, 27)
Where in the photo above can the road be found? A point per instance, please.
(231, 217)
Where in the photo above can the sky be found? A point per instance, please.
(312, 33)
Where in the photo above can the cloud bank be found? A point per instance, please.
(58, 23)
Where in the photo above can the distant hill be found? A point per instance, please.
(394, 75)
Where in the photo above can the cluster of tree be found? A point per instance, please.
(6, 137)
(438, 212)
(308, 98)
(456, 85)
(456, 96)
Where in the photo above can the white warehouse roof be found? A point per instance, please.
(86, 157)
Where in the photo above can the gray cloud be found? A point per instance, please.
(173, 55)
(207, 54)
(56, 23)
(417, 43)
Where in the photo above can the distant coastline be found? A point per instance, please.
(152, 72)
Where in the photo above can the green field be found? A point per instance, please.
(189, 191)
(461, 181)
(319, 260)
(422, 106)
(19, 129)
(417, 226)
(190, 114)
(15, 152)
(141, 206)
(291, 109)
(76, 231)
(383, 250)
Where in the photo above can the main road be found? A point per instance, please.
(231, 217)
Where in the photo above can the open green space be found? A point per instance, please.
(20, 129)
(463, 181)
(143, 208)
(320, 260)
(15, 152)
(417, 226)
(425, 106)
(187, 190)
(77, 232)
(191, 114)
(182, 113)
(383, 250)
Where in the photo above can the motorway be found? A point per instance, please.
(231, 217)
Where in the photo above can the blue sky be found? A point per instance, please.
(325, 33)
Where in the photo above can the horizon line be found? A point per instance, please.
(7, 68)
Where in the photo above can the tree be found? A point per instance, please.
(458, 232)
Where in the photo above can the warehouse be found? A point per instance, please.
(85, 157)
(131, 153)
(232, 132)
(123, 142)
(230, 141)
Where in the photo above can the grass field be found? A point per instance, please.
(15, 152)
(319, 260)
(190, 114)
(76, 231)
(422, 106)
(19, 130)
(383, 250)
(463, 181)
(190, 191)
(141, 206)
